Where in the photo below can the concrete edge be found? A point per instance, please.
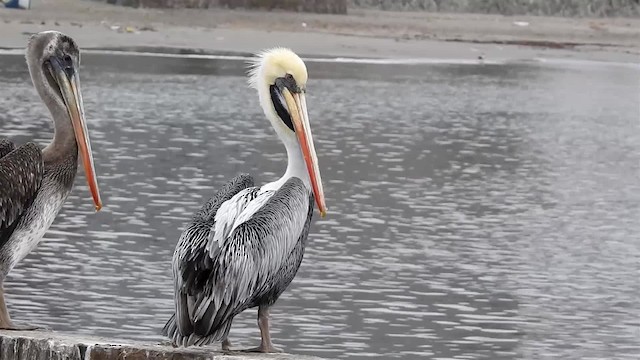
(47, 345)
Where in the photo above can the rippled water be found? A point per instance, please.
(476, 211)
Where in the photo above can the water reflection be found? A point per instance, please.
(475, 211)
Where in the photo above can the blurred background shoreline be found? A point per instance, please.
(370, 33)
(476, 211)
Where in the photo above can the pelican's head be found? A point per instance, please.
(53, 59)
(280, 77)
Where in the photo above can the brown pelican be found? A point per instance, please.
(35, 183)
(243, 248)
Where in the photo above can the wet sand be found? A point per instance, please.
(362, 33)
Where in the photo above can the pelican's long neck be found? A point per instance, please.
(64, 143)
(296, 166)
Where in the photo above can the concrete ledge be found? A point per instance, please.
(45, 345)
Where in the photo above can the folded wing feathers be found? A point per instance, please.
(192, 266)
(259, 246)
(21, 172)
(227, 215)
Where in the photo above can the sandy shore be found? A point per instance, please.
(360, 34)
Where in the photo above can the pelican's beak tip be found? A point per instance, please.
(323, 213)
(98, 207)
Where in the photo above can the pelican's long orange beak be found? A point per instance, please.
(67, 78)
(298, 110)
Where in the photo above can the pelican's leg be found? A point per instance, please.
(226, 345)
(266, 346)
(5, 319)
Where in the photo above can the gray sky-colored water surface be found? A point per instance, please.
(475, 211)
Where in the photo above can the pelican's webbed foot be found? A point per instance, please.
(269, 348)
(226, 348)
(7, 324)
(5, 320)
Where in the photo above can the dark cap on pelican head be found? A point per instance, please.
(280, 77)
(54, 59)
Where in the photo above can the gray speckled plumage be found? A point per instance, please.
(248, 262)
(32, 192)
(21, 173)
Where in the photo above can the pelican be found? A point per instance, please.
(243, 248)
(35, 183)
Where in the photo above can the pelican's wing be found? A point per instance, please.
(247, 261)
(21, 172)
(191, 262)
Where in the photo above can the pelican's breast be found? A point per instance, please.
(37, 220)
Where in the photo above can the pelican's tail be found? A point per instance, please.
(171, 331)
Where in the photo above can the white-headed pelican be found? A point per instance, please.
(243, 248)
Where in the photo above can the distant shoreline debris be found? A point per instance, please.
(585, 8)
